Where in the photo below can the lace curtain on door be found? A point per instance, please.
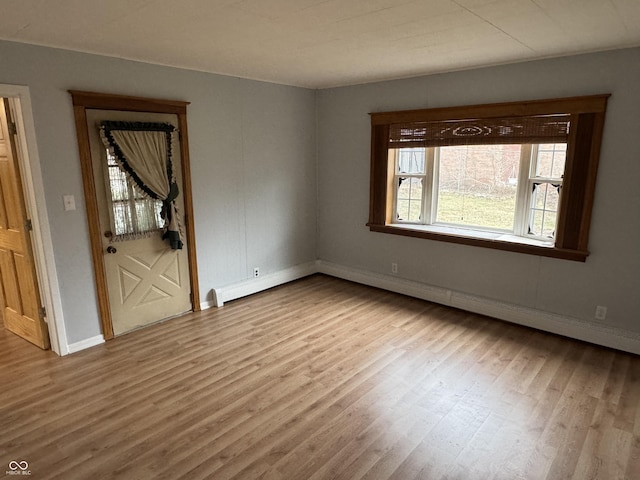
(143, 151)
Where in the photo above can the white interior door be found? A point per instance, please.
(146, 279)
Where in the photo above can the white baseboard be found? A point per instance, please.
(255, 285)
(386, 282)
(562, 325)
(86, 343)
(559, 324)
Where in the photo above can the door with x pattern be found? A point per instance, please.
(146, 279)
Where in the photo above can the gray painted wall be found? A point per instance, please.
(268, 193)
(253, 161)
(611, 274)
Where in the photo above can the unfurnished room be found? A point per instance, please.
(320, 239)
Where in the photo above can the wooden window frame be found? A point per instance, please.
(587, 115)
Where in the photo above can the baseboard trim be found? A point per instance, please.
(84, 344)
(559, 324)
(571, 327)
(255, 285)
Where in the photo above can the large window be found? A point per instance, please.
(517, 176)
(480, 188)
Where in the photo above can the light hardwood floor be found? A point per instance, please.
(323, 379)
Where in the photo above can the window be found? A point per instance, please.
(479, 188)
(132, 212)
(516, 176)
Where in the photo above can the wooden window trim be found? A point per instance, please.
(583, 152)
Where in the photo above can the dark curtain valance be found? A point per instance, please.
(143, 150)
(526, 129)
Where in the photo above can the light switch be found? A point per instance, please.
(69, 202)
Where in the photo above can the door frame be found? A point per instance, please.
(103, 101)
(36, 207)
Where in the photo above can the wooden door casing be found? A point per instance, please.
(91, 100)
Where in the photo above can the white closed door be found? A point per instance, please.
(146, 279)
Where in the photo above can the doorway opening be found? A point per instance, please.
(31, 294)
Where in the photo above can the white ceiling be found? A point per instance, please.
(324, 43)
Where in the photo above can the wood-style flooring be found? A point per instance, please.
(323, 379)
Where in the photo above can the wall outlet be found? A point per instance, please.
(256, 272)
(601, 312)
(394, 268)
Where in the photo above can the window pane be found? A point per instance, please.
(544, 206)
(549, 224)
(147, 215)
(551, 160)
(409, 200)
(546, 196)
(411, 160)
(478, 185)
(543, 224)
(118, 182)
(122, 218)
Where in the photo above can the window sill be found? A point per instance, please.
(471, 233)
(497, 241)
